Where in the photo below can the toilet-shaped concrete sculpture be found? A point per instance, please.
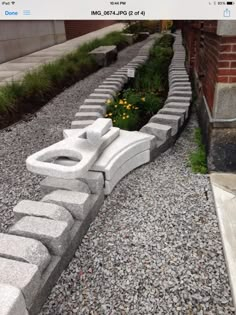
(99, 147)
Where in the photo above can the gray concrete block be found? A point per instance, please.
(58, 264)
(177, 99)
(115, 88)
(43, 210)
(119, 80)
(76, 202)
(101, 95)
(53, 234)
(79, 124)
(93, 108)
(185, 106)
(118, 84)
(24, 276)
(104, 55)
(105, 91)
(123, 77)
(24, 249)
(95, 101)
(87, 116)
(94, 180)
(161, 132)
(50, 184)
(12, 301)
(130, 38)
(174, 111)
(170, 120)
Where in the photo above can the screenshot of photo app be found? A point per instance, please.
(117, 157)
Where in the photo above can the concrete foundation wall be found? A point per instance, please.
(19, 38)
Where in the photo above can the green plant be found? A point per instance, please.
(198, 159)
(39, 86)
(135, 27)
(123, 114)
(134, 107)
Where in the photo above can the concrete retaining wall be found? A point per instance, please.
(46, 233)
(19, 38)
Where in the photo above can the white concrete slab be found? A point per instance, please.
(126, 168)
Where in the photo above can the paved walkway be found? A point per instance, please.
(155, 247)
(16, 69)
(224, 190)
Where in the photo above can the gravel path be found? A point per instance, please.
(155, 247)
(44, 128)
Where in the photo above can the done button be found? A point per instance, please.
(11, 13)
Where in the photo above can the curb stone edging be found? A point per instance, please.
(70, 205)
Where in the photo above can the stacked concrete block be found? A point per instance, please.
(125, 153)
(12, 301)
(95, 105)
(25, 276)
(46, 233)
(166, 124)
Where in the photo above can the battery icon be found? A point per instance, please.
(230, 2)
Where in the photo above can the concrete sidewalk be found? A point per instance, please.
(224, 190)
(17, 68)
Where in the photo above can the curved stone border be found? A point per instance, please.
(46, 233)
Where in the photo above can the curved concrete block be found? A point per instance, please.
(184, 106)
(122, 149)
(50, 184)
(176, 99)
(87, 115)
(93, 108)
(101, 95)
(105, 91)
(174, 111)
(80, 124)
(12, 301)
(96, 101)
(22, 275)
(77, 203)
(126, 168)
(53, 234)
(43, 210)
(170, 120)
(161, 132)
(24, 249)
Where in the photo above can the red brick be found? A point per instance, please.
(225, 48)
(229, 56)
(232, 80)
(227, 72)
(222, 79)
(233, 64)
(228, 40)
(224, 64)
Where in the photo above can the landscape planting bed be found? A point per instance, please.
(78, 194)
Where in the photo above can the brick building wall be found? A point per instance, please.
(78, 28)
(211, 57)
(211, 60)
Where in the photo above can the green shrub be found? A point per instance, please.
(198, 159)
(142, 26)
(136, 105)
(38, 86)
(123, 114)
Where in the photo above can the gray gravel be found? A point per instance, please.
(155, 247)
(40, 130)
